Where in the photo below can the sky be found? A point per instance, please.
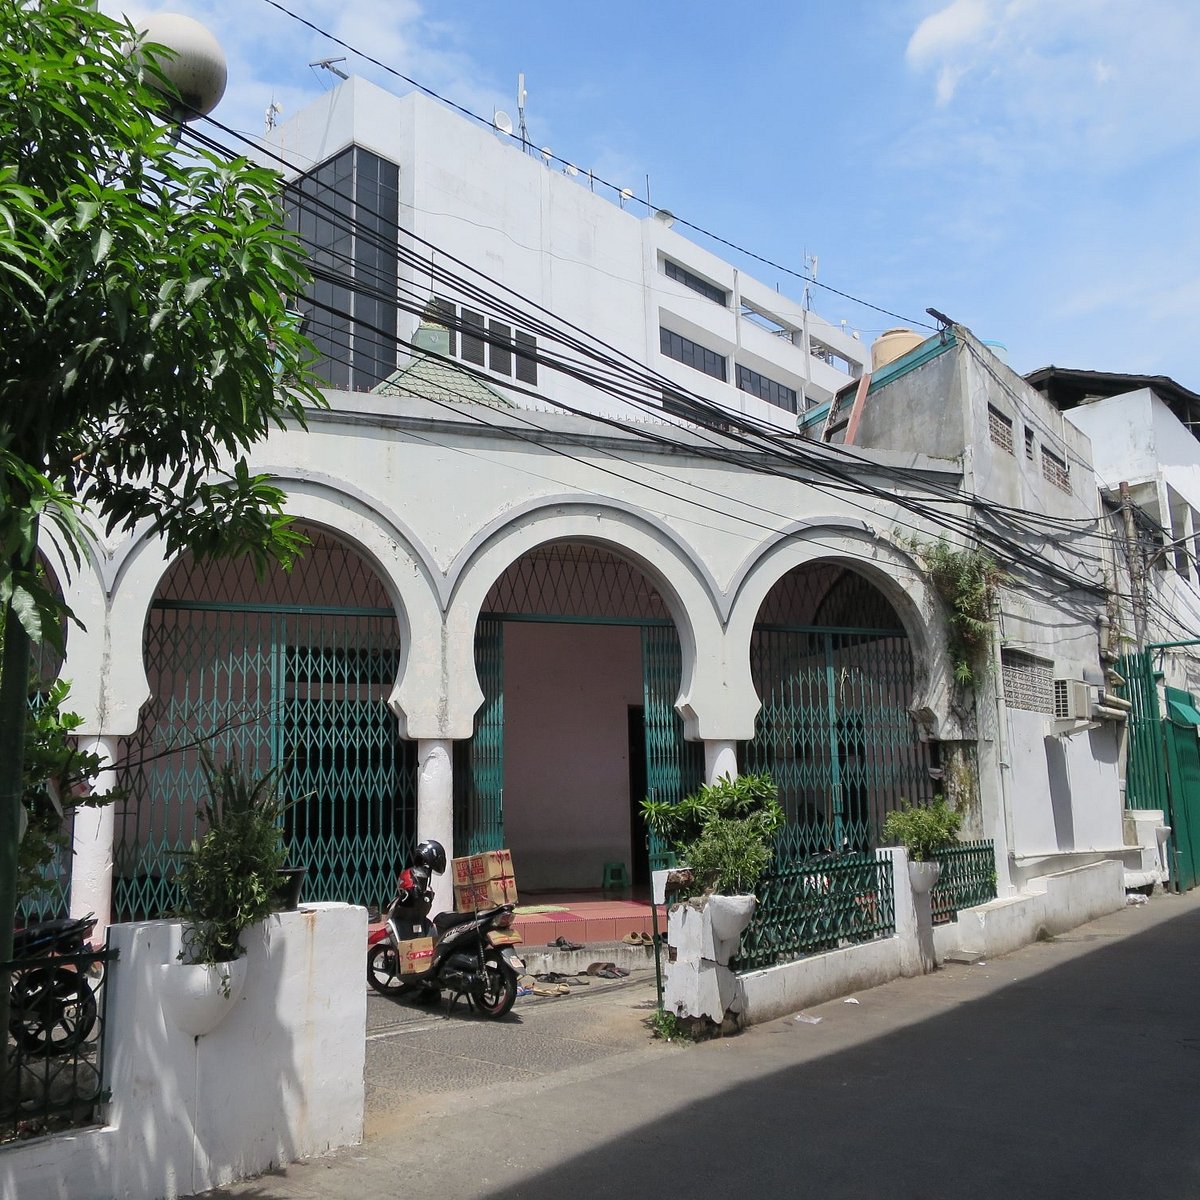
(1030, 168)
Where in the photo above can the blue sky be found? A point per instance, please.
(1029, 167)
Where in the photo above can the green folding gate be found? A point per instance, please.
(834, 730)
(674, 766)
(301, 689)
(479, 763)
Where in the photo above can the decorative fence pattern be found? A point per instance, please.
(55, 1044)
(968, 878)
(811, 903)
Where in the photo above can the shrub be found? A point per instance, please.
(725, 831)
(229, 876)
(922, 831)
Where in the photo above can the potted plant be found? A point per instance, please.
(725, 834)
(228, 881)
(923, 832)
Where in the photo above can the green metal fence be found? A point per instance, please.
(968, 878)
(1146, 770)
(812, 903)
(56, 1043)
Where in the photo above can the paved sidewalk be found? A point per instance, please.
(1067, 1069)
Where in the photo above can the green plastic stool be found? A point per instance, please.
(615, 876)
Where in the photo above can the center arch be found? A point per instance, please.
(580, 664)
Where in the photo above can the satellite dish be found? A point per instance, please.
(547, 155)
(665, 216)
(571, 169)
(626, 194)
(503, 122)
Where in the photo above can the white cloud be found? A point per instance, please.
(950, 31)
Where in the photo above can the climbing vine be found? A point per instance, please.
(966, 581)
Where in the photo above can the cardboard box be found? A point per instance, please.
(504, 937)
(468, 897)
(482, 868)
(415, 955)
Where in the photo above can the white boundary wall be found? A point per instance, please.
(1052, 904)
(281, 1078)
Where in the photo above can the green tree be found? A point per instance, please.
(147, 340)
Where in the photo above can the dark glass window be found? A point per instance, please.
(345, 212)
(692, 354)
(767, 389)
(709, 291)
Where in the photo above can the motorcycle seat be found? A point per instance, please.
(51, 933)
(448, 920)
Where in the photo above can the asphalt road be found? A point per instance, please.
(1068, 1069)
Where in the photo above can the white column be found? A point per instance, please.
(720, 759)
(435, 808)
(92, 844)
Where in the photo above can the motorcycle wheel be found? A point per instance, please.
(382, 974)
(51, 1010)
(499, 988)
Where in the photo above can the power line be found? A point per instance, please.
(474, 116)
(834, 478)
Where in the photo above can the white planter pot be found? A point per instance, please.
(923, 876)
(197, 998)
(730, 915)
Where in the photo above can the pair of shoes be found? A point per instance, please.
(638, 939)
(562, 943)
(606, 970)
(554, 989)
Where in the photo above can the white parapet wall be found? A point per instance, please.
(279, 1079)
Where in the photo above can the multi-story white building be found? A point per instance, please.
(570, 547)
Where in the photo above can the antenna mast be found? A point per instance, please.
(521, 113)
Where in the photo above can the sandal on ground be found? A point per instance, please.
(562, 943)
(632, 939)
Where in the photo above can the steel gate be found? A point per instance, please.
(834, 730)
(479, 763)
(298, 688)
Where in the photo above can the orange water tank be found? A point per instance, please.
(891, 344)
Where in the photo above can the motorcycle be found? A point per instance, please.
(470, 954)
(52, 1008)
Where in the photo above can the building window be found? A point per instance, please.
(767, 389)
(1001, 428)
(1055, 469)
(1029, 443)
(483, 342)
(692, 354)
(1028, 681)
(345, 211)
(709, 291)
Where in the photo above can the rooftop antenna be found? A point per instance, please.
(273, 112)
(330, 64)
(521, 97)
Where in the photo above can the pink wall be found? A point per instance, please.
(567, 693)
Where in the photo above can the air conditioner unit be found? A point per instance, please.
(1072, 700)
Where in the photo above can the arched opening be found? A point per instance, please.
(833, 667)
(580, 664)
(290, 672)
